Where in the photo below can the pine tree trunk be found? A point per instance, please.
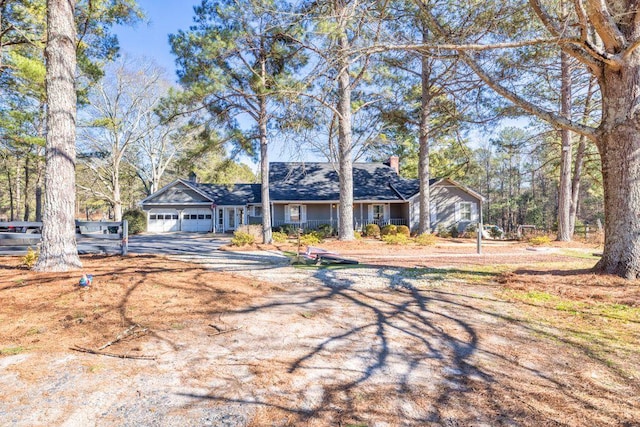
(564, 191)
(59, 251)
(423, 153)
(619, 145)
(267, 236)
(345, 228)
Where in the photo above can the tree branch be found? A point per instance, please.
(605, 26)
(548, 116)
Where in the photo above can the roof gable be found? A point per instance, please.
(177, 192)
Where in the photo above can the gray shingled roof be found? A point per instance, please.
(319, 182)
(229, 195)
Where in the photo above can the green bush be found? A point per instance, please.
(425, 239)
(453, 231)
(312, 238)
(372, 230)
(137, 220)
(326, 230)
(395, 239)
(279, 237)
(357, 235)
(443, 231)
(404, 230)
(288, 229)
(389, 230)
(240, 238)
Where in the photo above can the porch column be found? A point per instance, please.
(331, 215)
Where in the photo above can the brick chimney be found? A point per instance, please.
(394, 163)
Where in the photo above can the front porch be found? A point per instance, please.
(315, 216)
(316, 224)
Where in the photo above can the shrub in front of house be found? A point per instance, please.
(389, 230)
(326, 230)
(395, 239)
(279, 237)
(404, 230)
(241, 238)
(372, 230)
(453, 231)
(425, 239)
(357, 235)
(311, 238)
(137, 220)
(443, 231)
(288, 229)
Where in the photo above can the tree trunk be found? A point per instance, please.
(565, 232)
(423, 153)
(264, 175)
(59, 251)
(579, 161)
(12, 210)
(27, 182)
(18, 196)
(575, 182)
(117, 197)
(345, 228)
(619, 145)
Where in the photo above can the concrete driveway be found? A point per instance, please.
(203, 249)
(176, 243)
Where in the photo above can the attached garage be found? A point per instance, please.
(163, 221)
(197, 220)
(190, 207)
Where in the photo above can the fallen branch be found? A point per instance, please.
(127, 332)
(225, 331)
(104, 353)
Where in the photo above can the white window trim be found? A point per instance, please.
(459, 211)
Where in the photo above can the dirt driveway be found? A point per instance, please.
(268, 344)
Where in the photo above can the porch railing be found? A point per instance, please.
(315, 224)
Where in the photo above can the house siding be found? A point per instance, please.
(447, 197)
(178, 194)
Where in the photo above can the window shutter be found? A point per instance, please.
(457, 213)
(370, 212)
(474, 212)
(287, 214)
(303, 213)
(387, 212)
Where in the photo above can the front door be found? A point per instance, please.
(231, 218)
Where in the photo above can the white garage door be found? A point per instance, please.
(163, 221)
(197, 220)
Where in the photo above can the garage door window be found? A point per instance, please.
(153, 216)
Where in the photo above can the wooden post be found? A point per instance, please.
(125, 237)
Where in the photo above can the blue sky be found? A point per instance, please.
(151, 38)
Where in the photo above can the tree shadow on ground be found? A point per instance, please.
(417, 356)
